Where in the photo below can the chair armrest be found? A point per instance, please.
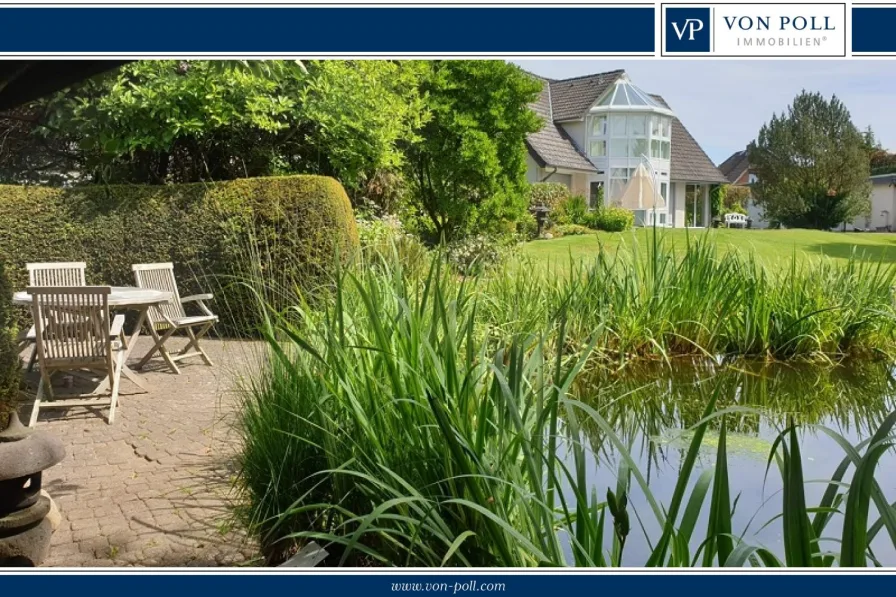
(117, 326)
(196, 297)
(199, 299)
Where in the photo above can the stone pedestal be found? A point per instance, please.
(25, 535)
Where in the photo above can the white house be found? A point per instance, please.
(882, 216)
(600, 128)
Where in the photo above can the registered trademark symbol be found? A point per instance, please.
(824, 38)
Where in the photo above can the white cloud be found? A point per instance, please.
(725, 102)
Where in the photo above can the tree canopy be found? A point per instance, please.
(469, 166)
(812, 165)
(176, 121)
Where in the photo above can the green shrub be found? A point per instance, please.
(611, 219)
(474, 255)
(383, 238)
(10, 367)
(572, 230)
(573, 210)
(547, 194)
(282, 230)
(527, 227)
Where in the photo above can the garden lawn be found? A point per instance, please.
(769, 246)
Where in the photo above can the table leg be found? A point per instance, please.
(132, 375)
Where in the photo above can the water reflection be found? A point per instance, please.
(648, 407)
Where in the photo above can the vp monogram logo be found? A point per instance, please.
(691, 26)
(687, 29)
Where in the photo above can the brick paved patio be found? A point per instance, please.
(155, 487)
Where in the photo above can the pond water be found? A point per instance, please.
(649, 407)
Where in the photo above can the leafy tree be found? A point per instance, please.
(468, 168)
(185, 121)
(812, 164)
(882, 161)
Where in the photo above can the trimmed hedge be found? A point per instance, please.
(285, 230)
(10, 366)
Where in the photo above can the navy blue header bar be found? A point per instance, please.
(873, 29)
(447, 584)
(332, 30)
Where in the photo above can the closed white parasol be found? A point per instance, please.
(640, 193)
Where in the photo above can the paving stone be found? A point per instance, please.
(151, 488)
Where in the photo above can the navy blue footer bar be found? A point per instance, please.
(330, 30)
(536, 584)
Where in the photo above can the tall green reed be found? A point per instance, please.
(661, 302)
(403, 423)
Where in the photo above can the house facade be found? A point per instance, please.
(882, 217)
(598, 129)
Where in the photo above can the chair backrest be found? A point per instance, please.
(56, 274)
(71, 324)
(160, 276)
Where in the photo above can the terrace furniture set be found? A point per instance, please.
(76, 329)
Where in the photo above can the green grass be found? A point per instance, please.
(400, 424)
(769, 246)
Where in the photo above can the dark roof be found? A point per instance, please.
(551, 146)
(22, 81)
(735, 166)
(689, 162)
(571, 98)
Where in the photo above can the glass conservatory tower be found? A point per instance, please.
(627, 128)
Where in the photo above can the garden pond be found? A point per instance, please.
(651, 409)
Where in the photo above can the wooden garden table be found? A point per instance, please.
(122, 298)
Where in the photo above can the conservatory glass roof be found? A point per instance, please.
(626, 95)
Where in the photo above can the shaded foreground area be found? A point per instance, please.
(423, 418)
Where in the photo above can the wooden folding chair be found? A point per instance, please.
(165, 319)
(75, 332)
(51, 274)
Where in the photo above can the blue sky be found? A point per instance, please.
(725, 102)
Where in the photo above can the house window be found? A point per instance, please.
(637, 126)
(619, 148)
(693, 205)
(596, 194)
(619, 177)
(638, 147)
(617, 125)
(664, 191)
(598, 149)
(599, 126)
